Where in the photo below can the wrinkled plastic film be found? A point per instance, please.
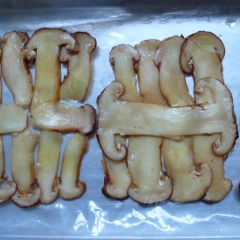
(94, 215)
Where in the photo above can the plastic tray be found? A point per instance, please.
(94, 215)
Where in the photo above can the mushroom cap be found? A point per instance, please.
(27, 199)
(6, 193)
(205, 41)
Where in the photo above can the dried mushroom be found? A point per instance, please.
(137, 118)
(17, 75)
(61, 117)
(44, 46)
(201, 55)
(190, 182)
(70, 187)
(123, 59)
(149, 183)
(47, 165)
(22, 166)
(75, 84)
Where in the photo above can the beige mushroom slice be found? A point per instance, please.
(75, 85)
(61, 117)
(123, 59)
(190, 182)
(203, 149)
(15, 71)
(201, 55)
(137, 118)
(22, 167)
(70, 186)
(149, 183)
(12, 118)
(11, 187)
(47, 165)
(44, 45)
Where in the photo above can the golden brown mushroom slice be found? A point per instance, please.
(15, 71)
(201, 55)
(137, 118)
(13, 118)
(11, 187)
(123, 59)
(44, 45)
(149, 183)
(71, 187)
(61, 117)
(22, 167)
(75, 85)
(47, 165)
(190, 182)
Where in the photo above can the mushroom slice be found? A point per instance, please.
(11, 187)
(14, 68)
(123, 59)
(22, 166)
(57, 116)
(149, 184)
(190, 182)
(70, 187)
(44, 45)
(12, 118)
(137, 118)
(76, 83)
(201, 55)
(47, 165)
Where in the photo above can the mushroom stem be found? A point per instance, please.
(47, 165)
(70, 187)
(22, 165)
(58, 116)
(149, 184)
(201, 55)
(17, 75)
(13, 118)
(75, 84)
(136, 118)
(189, 183)
(44, 45)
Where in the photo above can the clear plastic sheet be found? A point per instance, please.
(94, 215)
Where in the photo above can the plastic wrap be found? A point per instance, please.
(94, 215)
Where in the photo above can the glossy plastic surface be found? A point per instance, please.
(94, 216)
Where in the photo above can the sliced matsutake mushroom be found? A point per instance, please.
(12, 118)
(75, 84)
(137, 118)
(15, 71)
(22, 166)
(204, 146)
(44, 45)
(11, 187)
(47, 165)
(190, 182)
(61, 117)
(201, 55)
(149, 183)
(123, 59)
(70, 187)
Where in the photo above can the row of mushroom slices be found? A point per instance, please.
(158, 141)
(39, 119)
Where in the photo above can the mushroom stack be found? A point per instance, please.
(46, 49)
(192, 135)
